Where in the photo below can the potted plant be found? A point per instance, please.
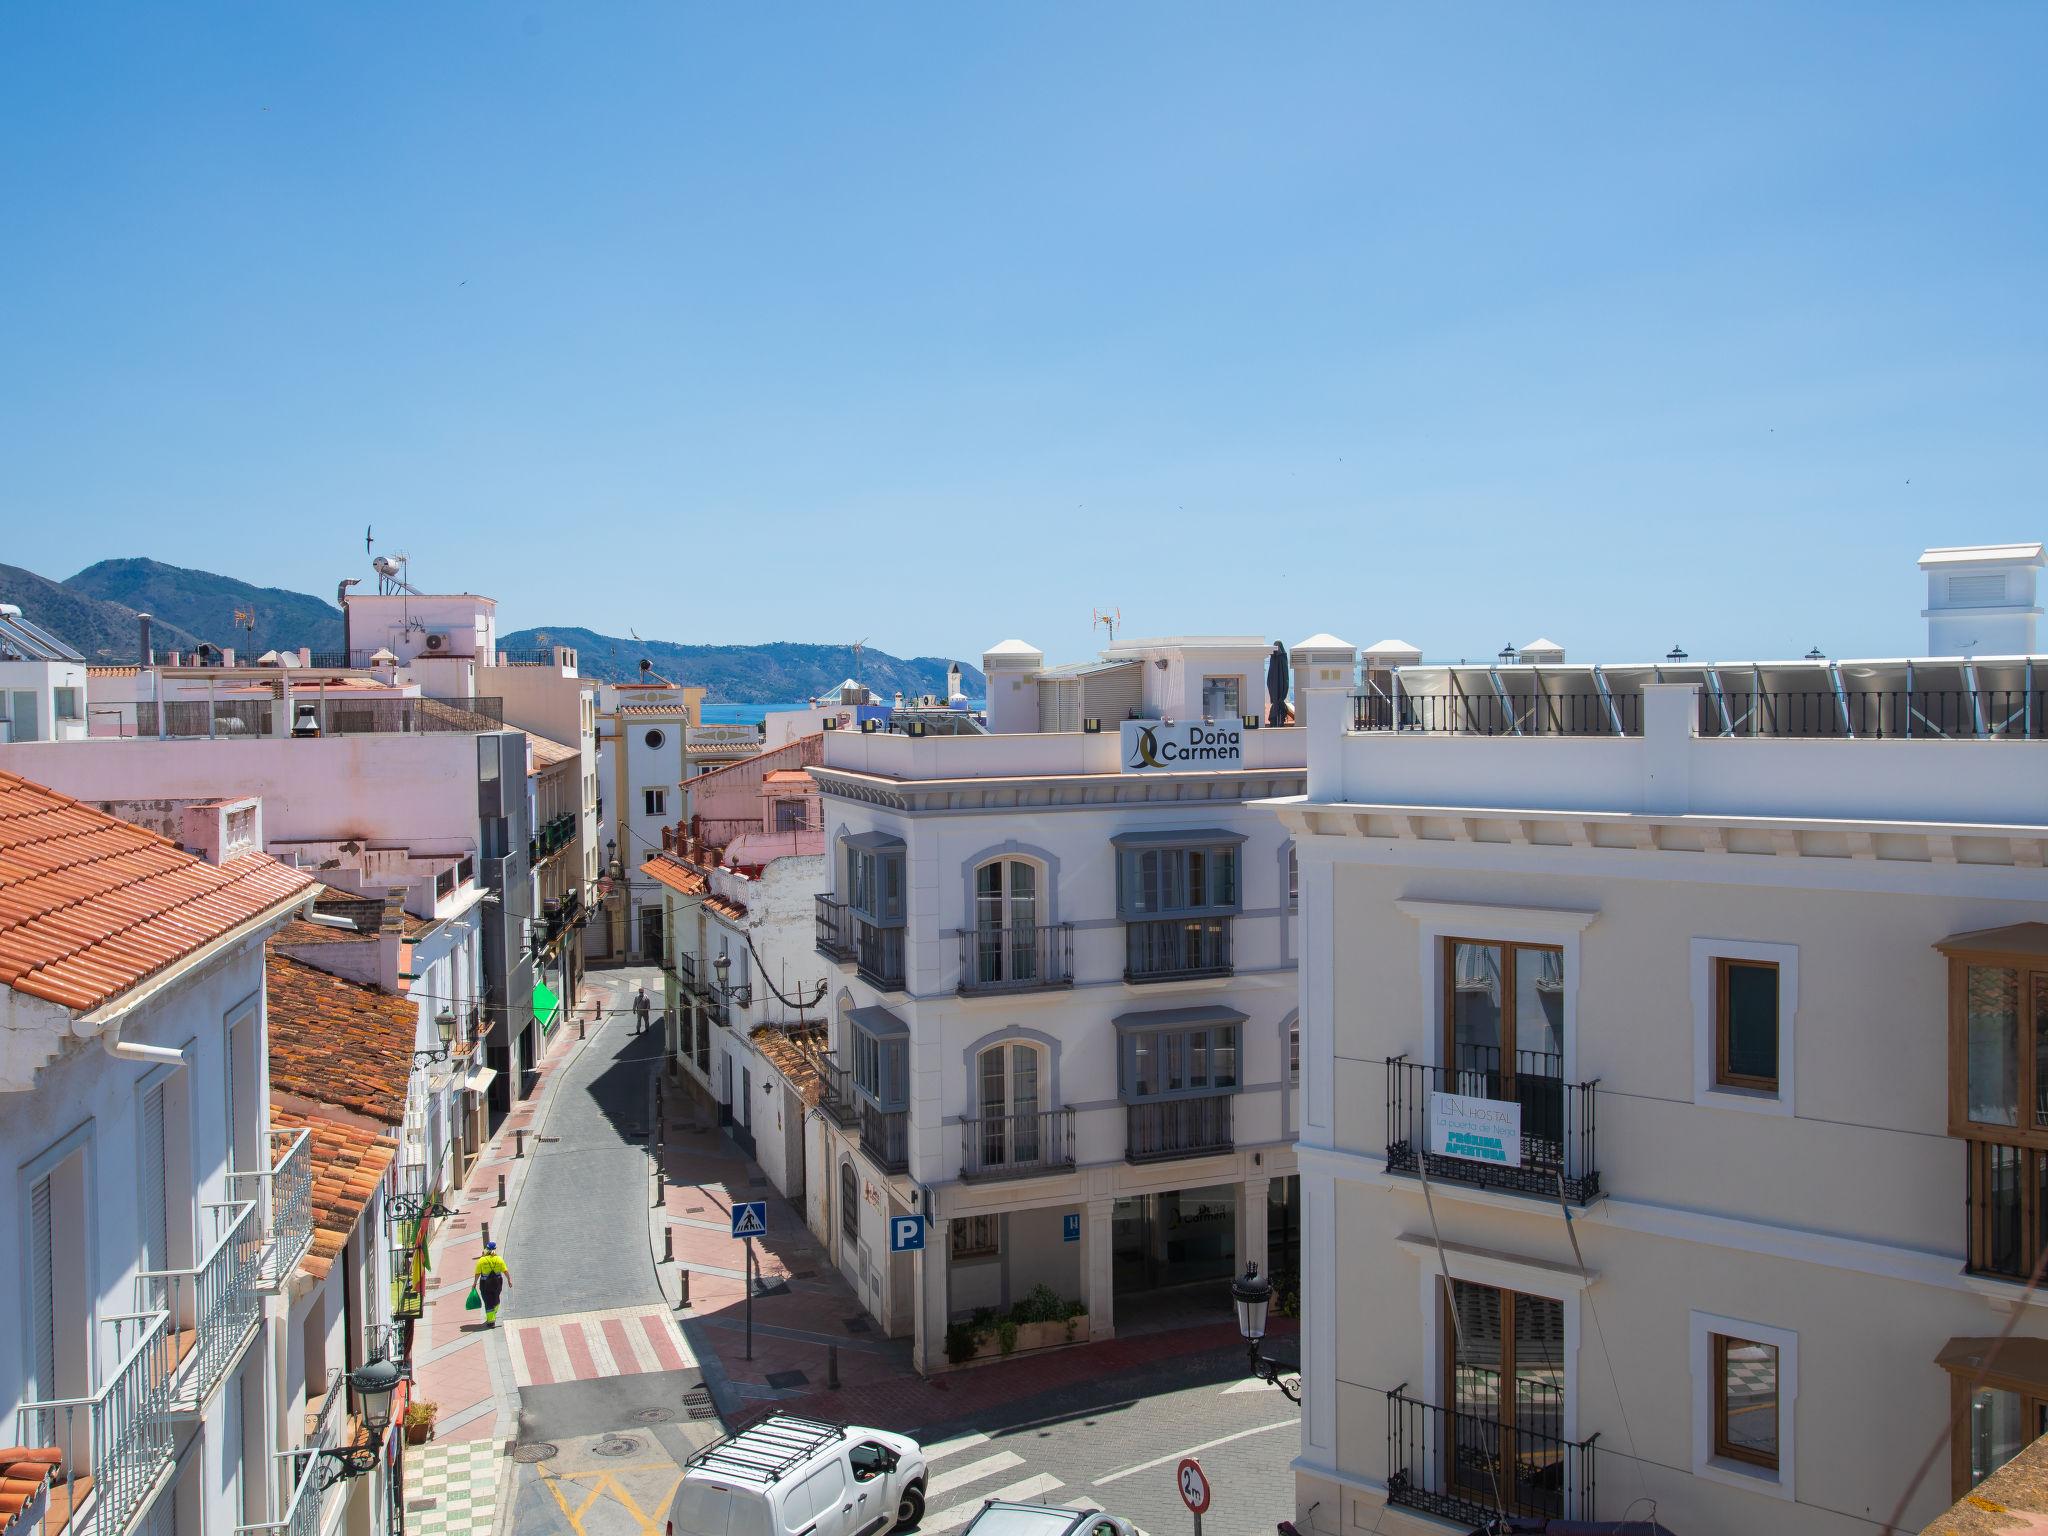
(419, 1422)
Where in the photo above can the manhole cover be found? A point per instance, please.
(536, 1450)
(616, 1446)
(652, 1416)
(786, 1379)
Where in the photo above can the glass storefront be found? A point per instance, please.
(1176, 1238)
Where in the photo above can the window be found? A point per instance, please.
(1005, 946)
(976, 1237)
(1220, 698)
(1998, 1091)
(874, 880)
(1157, 882)
(1294, 1054)
(1745, 1024)
(1160, 1063)
(789, 816)
(656, 740)
(1504, 1381)
(656, 801)
(849, 1203)
(1746, 1401)
(67, 704)
(1007, 1096)
(1504, 1033)
(1995, 1416)
(1745, 1384)
(878, 1068)
(1293, 879)
(869, 1461)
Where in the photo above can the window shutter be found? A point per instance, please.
(42, 1292)
(1971, 591)
(156, 1248)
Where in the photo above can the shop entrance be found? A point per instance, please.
(1179, 1237)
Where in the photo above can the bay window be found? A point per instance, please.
(1177, 893)
(1998, 1091)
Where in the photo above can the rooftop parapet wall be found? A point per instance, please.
(1670, 769)
(1029, 754)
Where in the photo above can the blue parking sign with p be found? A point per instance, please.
(1072, 1232)
(906, 1234)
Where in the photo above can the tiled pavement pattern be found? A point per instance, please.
(451, 1490)
(592, 1346)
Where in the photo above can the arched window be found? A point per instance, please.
(849, 1202)
(1007, 1093)
(1006, 922)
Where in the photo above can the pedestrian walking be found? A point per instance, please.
(491, 1279)
(641, 1008)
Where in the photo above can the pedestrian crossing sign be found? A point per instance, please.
(750, 1218)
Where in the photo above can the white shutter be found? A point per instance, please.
(42, 1292)
(156, 1248)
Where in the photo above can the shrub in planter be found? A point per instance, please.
(419, 1422)
(1006, 1335)
(961, 1343)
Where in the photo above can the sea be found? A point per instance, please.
(754, 714)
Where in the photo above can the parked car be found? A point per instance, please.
(787, 1474)
(998, 1518)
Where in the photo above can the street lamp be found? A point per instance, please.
(374, 1383)
(1253, 1294)
(743, 994)
(444, 1026)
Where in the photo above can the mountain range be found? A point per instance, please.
(97, 610)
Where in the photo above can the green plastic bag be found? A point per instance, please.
(476, 1300)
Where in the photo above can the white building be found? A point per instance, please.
(1729, 965)
(152, 1219)
(642, 760)
(1063, 1001)
(42, 682)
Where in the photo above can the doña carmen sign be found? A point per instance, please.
(1189, 746)
(1483, 1130)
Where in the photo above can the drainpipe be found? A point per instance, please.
(130, 1050)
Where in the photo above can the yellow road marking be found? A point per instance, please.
(606, 1483)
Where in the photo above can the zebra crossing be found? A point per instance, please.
(976, 1475)
(595, 1346)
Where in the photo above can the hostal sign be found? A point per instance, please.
(1189, 746)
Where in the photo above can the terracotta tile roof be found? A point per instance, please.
(547, 753)
(676, 875)
(802, 749)
(779, 1048)
(339, 1042)
(91, 905)
(786, 776)
(725, 906)
(24, 1469)
(111, 672)
(298, 931)
(349, 1161)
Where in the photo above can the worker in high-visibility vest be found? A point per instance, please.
(491, 1279)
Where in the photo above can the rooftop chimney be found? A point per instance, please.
(1982, 599)
(142, 640)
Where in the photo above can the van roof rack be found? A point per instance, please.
(766, 1451)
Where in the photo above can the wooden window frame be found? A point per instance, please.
(2032, 1393)
(2033, 975)
(1725, 1448)
(1723, 1077)
(1510, 1034)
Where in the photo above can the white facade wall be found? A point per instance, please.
(1829, 1218)
(31, 708)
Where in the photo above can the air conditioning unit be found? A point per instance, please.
(440, 643)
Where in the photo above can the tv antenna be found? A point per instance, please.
(858, 646)
(1108, 619)
(245, 621)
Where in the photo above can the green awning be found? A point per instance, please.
(546, 1006)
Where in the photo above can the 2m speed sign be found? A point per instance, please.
(1194, 1485)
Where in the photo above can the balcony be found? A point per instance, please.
(1176, 949)
(283, 1197)
(214, 1308)
(837, 1098)
(878, 955)
(1462, 1467)
(835, 936)
(1158, 1129)
(688, 978)
(1019, 959)
(118, 1445)
(304, 1506)
(885, 1136)
(554, 835)
(316, 713)
(1500, 714)
(1557, 1126)
(1017, 1146)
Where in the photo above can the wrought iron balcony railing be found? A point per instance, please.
(305, 1504)
(117, 1446)
(835, 932)
(1176, 949)
(214, 1308)
(885, 1136)
(1017, 959)
(1502, 714)
(878, 955)
(1164, 1128)
(1017, 1146)
(1558, 1124)
(283, 1197)
(838, 1099)
(1463, 1467)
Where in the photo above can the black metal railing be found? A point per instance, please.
(1490, 714)
(1017, 1146)
(1017, 959)
(1163, 1128)
(837, 1099)
(2003, 1222)
(1466, 1467)
(313, 712)
(1921, 714)
(1176, 949)
(885, 1136)
(1557, 1119)
(878, 954)
(686, 973)
(835, 932)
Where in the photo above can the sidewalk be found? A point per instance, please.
(803, 1306)
(451, 1483)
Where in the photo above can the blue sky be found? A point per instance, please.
(1627, 324)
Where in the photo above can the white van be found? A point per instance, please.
(800, 1477)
